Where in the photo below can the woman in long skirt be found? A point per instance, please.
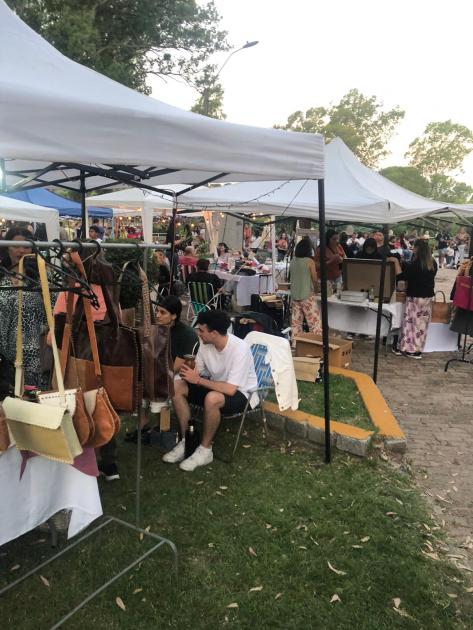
(420, 277)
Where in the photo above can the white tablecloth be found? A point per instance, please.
(245, 286)
(361, 319)
(45, 488)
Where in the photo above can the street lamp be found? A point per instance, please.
(207, 89)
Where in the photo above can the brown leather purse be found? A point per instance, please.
(118, 349)
(158, 376)
(95, 401)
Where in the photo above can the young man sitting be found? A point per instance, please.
(221, 382)
(203, 275)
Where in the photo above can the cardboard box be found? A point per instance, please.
(360, 275)
(306, 368)
(310, 345)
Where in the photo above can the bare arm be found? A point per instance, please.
(192, 376)
(313, 274)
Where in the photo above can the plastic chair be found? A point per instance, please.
(265, 385)
(202, 297)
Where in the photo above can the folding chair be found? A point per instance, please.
(202, 298)
(265, 385)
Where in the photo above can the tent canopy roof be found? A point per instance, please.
(58, 117)
(18, 210)
(353, 192)
(66, 207)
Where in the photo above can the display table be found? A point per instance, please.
(245, 286)
(360, 318)
(45, 488)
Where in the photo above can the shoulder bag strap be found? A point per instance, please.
(89, 320)
(19, 375)
(50, 318)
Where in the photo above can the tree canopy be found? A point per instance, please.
(408, 177)
(441, 149)
(128, 40)
(210, 101)
(359, 120)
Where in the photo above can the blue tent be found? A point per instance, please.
(66, 207)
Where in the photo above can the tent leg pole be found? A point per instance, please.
(83, 209)
(324, 315)
(173, 232)
(379, 315)
(3, 176)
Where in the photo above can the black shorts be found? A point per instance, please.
(233, 404)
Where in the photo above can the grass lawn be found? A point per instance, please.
(346, 404)
(265, 543)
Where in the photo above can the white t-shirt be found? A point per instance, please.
(234, 364)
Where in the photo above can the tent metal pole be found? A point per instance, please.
(3, 176)
(91, 245)
(173, 233)
(324, 314)
(83, 208)
(379, 315)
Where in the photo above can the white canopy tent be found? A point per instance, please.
(59, 119)
(137, 202)
(353, 192)
(15, 210)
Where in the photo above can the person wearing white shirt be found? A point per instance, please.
(221, 382)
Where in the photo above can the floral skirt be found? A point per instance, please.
(309, 309)
(415, 323)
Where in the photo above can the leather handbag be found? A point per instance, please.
(441, 311)
(46, 430)
(105, 422)
(158, 376)
(464, 293)
(118, 349)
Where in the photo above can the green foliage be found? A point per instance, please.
(407, 177)
(129, 39)
(210, 102)
(445, 188)
(441, 149)
(358, 120)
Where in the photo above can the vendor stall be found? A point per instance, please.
(246, 286)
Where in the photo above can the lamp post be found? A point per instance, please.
(206, 94)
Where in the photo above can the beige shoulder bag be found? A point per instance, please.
(43, 429)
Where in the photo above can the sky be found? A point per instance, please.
(412, 53)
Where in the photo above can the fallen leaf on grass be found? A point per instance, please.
(199, 483)
(302, 547)
(137, 590)
(452, 595)
(255, 589)
(332, 568)
(357, 546)
(44, 580)
(147, 529)
(219, 493)
(211, 545)
(397, 602)
(246, 446)
(401, 612)
(335, 598)
(233, 605)
(365, 539)
(252, 552)
(278, 596)
(119, 603)
(15, 567)
(391, 513)
(469, 589)
(399, 501)
(223, 487)
(122, 507)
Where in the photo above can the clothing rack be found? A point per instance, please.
(467, 347)
(158, 540)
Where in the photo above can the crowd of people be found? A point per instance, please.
(224, 375)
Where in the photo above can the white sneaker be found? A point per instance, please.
(200, 457)
(177, 453)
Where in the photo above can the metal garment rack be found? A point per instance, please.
(467, 347)
(159, 541)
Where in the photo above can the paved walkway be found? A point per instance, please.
(435, 409)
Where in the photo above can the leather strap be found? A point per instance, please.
(50, 319)
(19, 375)
(67, 335)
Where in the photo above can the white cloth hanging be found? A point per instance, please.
(282, 367)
